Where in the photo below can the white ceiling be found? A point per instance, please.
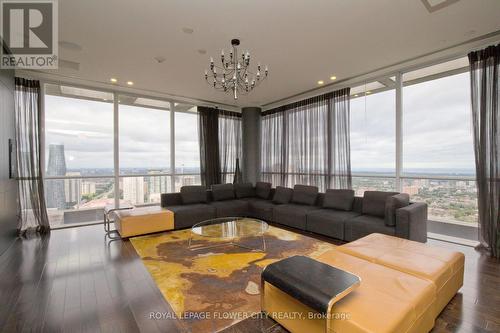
(302, 41)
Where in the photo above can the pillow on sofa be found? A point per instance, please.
(283, 195)
(339, 199)
(193, 194)
(222, 192)
(393, 203)
(244, 190)
(262, 190)
(374, 202)
(304, 195)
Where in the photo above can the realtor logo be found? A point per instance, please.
(29, 32)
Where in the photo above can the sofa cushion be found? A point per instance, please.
(187, 215)
(374, 202)
(263, 190)
(304, 194)
(222, 192)
(392, 204)
(260, 209)
(230, 208)
(363, 225)
(339, 199)
(292, 215)
(282, 195)
(328, 222)
(244, 190)
(193, 194)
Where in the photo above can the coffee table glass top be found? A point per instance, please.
(230, 227)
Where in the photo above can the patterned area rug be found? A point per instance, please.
(213, 288)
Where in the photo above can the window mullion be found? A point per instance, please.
(399, 130)
(172, 147)
(116, 148)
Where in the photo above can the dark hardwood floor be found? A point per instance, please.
(76, 281)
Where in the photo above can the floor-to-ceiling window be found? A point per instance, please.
(438, 157)
(144, 150)
(187, 146)
(78, 153)
(373, 141)
(157, 151)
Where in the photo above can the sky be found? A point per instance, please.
(437, 131)
(86, 130)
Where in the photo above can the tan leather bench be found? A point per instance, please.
(442, 267)
(396, 294)
(143, 220)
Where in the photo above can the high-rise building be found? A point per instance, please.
(133, 189)
(87, 187)
(72, 188)
(54, 188)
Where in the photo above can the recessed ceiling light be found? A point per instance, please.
(130, 83)
(113, 80)
(333, 78)
(356, 95)
(368, 92)
(187, 30)
(321, 82)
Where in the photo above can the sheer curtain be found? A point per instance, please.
(485, 72)
(230, 146)
(220, 146)
(32, 214)
(308, 142)
(208, 129)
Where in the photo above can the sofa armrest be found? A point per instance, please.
(171, 199)
(411, 222)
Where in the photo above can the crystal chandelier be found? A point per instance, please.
(234, 75)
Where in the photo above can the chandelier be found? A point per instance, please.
(234, 75)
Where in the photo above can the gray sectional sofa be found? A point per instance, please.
(337, 213)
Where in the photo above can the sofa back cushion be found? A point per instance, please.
(282, 195)
(392, 204)
(339, 199)
(193, 194)
(305, 195)
(244, 190)
(222, 192)
(263, 190)
(374, 202)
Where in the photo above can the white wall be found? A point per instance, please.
(8, 187)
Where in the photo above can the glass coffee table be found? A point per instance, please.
(228, 231)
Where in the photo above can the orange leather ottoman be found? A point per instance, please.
(442, 267)
(387, 300)
(143, 220)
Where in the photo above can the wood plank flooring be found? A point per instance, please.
(76, 281)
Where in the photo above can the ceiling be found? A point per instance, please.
(301, 41)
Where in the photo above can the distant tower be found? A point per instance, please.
(133, 189)
(55, 195)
